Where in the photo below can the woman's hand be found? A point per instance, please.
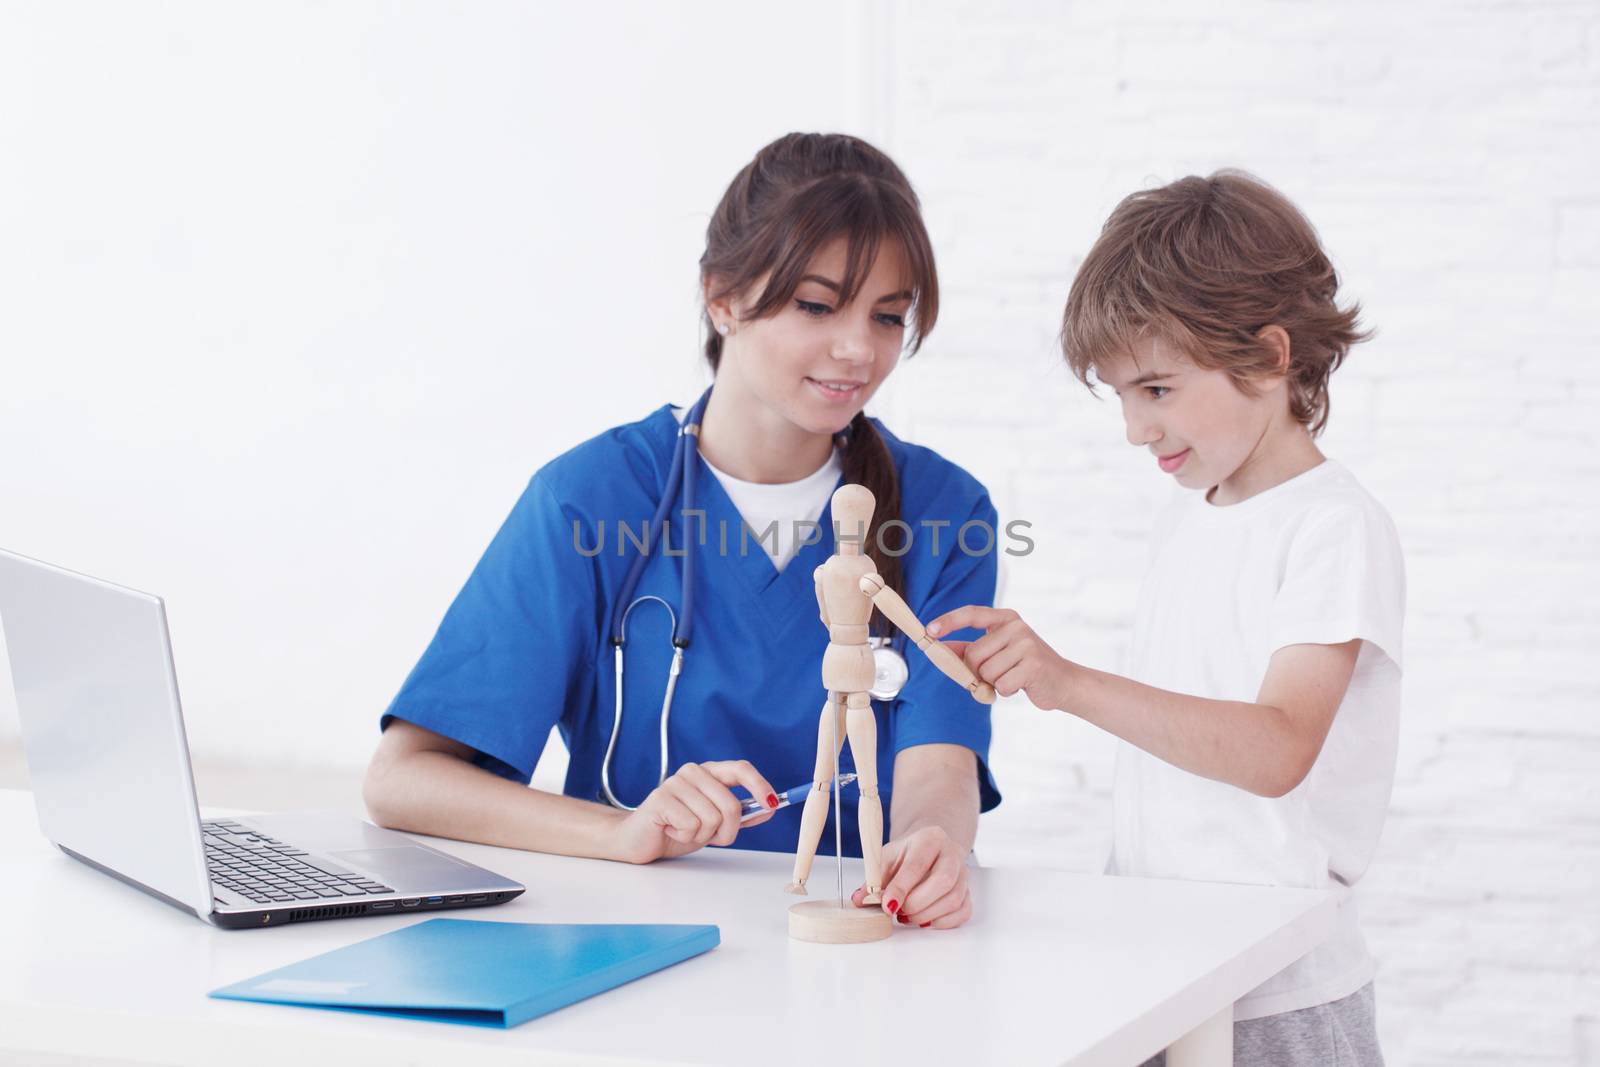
(1009, 656)
(925, 880)
(692, 809)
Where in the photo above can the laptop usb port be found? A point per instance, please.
(454, 900)
(410, 902)
(436, 900)
(478, 898)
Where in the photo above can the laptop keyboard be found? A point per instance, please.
(267, 871)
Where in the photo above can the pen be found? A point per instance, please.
(792, 795)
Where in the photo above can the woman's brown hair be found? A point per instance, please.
(1206, 263)
(799, 193)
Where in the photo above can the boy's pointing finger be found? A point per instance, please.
(974, 615)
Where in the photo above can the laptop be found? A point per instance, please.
(102, 730)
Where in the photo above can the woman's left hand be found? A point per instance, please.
(925, 880)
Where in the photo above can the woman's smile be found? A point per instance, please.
(841, 391)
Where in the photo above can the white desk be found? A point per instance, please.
(1053, 968)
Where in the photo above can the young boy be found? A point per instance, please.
(1259, 719)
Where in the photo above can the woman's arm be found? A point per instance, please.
(933, 820)
(424, 782)
(936, 786)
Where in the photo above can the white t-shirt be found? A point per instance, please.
(785, 504)
(1315, 560)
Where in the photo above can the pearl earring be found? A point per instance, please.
(722, 328)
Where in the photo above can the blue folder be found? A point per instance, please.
(479, 973)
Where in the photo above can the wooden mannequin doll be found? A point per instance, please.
(848, 588)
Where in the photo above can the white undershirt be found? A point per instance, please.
(785, 504)
(761, 505)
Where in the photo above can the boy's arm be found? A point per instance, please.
(1266, 747)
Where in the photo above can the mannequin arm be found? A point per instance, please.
(822, 605)
(899, 612)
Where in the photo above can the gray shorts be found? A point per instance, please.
(1341, 1034)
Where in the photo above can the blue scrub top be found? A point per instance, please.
(525, 647)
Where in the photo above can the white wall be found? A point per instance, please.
(294, 302)
(296, 299)
(1450, 156)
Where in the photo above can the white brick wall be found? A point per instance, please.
(1447, 153)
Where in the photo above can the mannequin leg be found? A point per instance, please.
(862, 727)
(830, 724)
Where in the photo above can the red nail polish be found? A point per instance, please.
(894, 906)
(905, 920)
(926, 925)
(772, 800)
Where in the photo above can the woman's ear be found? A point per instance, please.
(724, 316)
(1276, 338)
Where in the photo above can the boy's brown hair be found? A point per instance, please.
(1206, 263)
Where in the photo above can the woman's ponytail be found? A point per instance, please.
(866, 461)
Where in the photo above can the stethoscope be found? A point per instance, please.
(890, 668)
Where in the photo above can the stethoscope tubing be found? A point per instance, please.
(680, 474)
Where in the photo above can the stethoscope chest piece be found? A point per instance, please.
(889, 670)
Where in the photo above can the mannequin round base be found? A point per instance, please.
(826, 923)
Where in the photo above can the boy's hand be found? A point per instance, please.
(1010, 656)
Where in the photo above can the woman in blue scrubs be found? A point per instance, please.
(817, 275)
